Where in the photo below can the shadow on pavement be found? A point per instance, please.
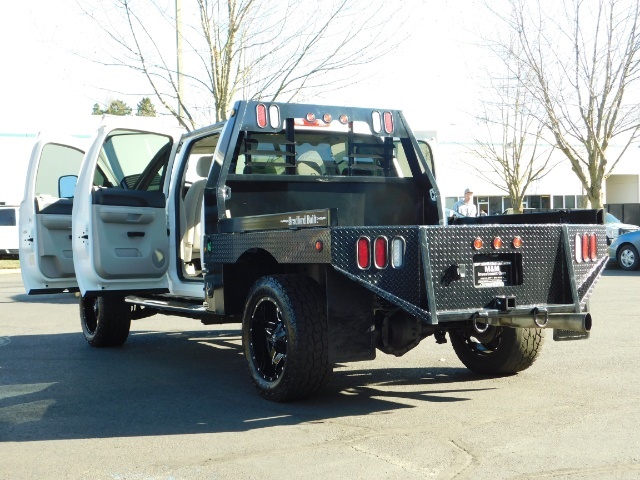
(159, 383)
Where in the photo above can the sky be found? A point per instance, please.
(46, 84)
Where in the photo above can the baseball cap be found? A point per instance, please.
(467, 190)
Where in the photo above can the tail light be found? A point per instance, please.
(380, 252)
(363, 253)
(586, 247)
(593, 247)
(397, 252)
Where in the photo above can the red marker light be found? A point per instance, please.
(380, 252)
(363, 253)
(593, 247)
(388, 122)
(261, 115)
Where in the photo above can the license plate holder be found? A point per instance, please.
(491, 274)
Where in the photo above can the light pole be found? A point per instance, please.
(179, 54)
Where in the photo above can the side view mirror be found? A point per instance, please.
(67, 186)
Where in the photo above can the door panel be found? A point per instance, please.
(130, 242)
(53, 222)
(120, 231)
(46, 254)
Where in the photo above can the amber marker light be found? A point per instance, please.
(497, 243)
(319, 245)
(517, 242)
(326, 118)
(477, 243)
(311, 117)
(344, 119)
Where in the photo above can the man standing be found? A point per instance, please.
(466, 207)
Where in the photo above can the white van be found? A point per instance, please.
(9, 231)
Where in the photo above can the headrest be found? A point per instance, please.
(204, 165)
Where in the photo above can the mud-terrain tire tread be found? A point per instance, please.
(517, 350)
(303, 306)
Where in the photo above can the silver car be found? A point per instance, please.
(615, 227)
(624, 250)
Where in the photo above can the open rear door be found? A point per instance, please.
(46, 258)
(120, 231)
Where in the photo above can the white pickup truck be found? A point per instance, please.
(320, 228)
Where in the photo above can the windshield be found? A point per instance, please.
(608, 218)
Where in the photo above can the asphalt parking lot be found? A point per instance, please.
(175, 402)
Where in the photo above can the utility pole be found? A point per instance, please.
(179, 53)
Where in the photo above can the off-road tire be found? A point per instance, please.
(105, 320)
(285, 337)
(499, 351)
(628, 258)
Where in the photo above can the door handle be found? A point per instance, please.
(135, 234)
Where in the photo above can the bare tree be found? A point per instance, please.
(585, 63)
(254, 49)
(514, 150)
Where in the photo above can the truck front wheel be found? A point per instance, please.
(499, 350)
(285, 337)
(105, 320)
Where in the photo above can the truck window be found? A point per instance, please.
(56, 161)
(327, 154)
(134, 160)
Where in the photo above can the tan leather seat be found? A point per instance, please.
(193, 210)
(309, 163)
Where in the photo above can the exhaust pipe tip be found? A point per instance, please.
(587, 322)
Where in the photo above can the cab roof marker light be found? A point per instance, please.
(376, 121)
(311, 117)
(261, 115)
(344, 119)
(326, 118)
(388, 122)
(398, 246)
(274, 116)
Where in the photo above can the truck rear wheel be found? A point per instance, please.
(285, 337)
(499, 350)
(105, 320)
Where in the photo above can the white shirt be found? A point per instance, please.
(466, 209)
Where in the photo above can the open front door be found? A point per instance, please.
(46, 259)
(120, 232)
